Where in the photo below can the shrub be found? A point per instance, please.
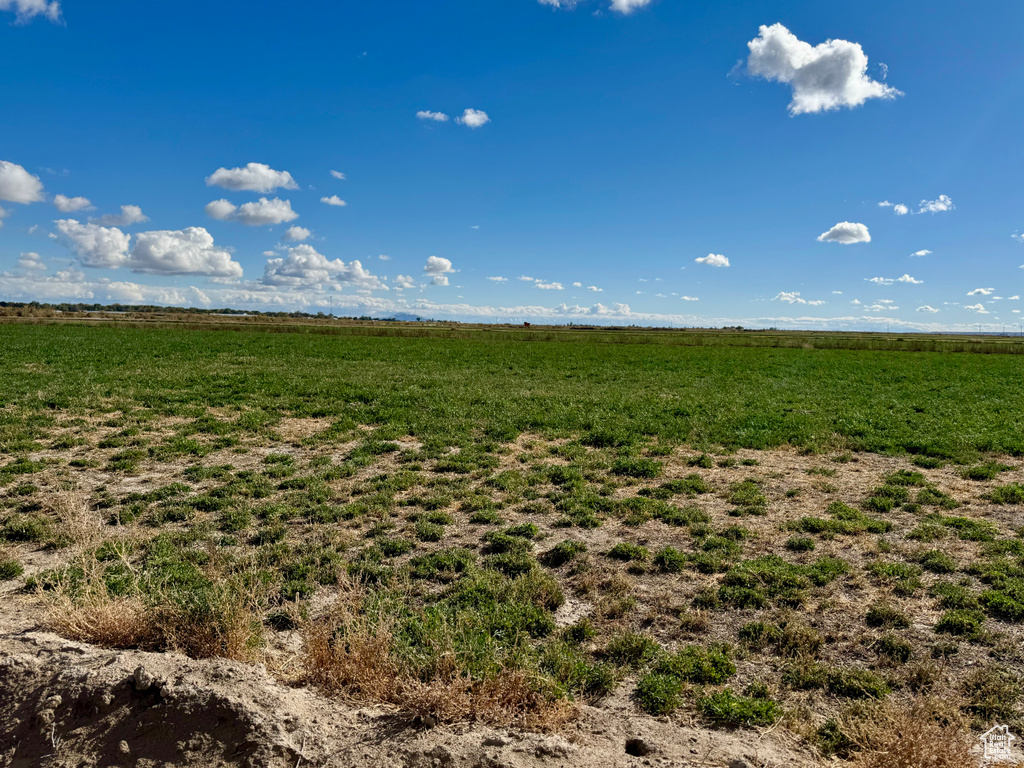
(937, 561)
(427, 531)
(961, 622)
(562, 553)
(10, 569)
(1008, 494)
(670, 560)
(885, 498)
(885, 615)
(635, 467)
(511, 564)
(631, 650)
(580, 632)
(895, 648)
(20, 527)
(628, 551)
(659, 694)
(986, 471)
(691, 485)
(726, 708)
(703, 461)
(954, 596)
(444, 564)
(708, 666)
(759, 634)
(800, 544)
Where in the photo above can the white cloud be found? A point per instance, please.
(31, 261)
(473, 118)
(18, 185)
(526, 279)
(305, 267)
(713, 260)
(823, 77)
(440, 280)
(96, 246)
(1018, 237)
(921, 253)
(981, 292)
(899, 208)
(130, 214)
(338, 175)
(628, 6)
(384, 257)
(181, 252)
(256, 214)
(577, 284)
(908, 279)
(880, 306)
(438, 117)
(497, 279)
(66, 204)
(549, 286)
(3, 215)
(437, 266)
(689, 298)
(296, 234)
(404, 281)
(979, 308)
(928, 309)
(595, 289)
(29, 9)
(334, 200)
(846, 233)
(880, 280)
(793, 297)
(936, 206)
(255, 177)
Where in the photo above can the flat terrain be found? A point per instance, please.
(490, 551)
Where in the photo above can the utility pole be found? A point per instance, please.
(332, 305)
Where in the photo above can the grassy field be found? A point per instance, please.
(497, 530)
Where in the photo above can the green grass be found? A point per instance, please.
(743, 397)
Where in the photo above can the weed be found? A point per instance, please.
(637, 467)
(628, 551)
(886, 615)
(659, 694)
(563, 553)
(895, 648)
(631, 650)
(961, 622)
(670, 560)
(726, 708)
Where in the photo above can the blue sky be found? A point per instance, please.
(606, 144)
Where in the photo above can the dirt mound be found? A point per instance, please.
(69, 704)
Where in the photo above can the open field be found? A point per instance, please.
(785, 556)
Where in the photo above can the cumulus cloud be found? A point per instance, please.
(66, 204)
(880, 280)
(713, 260)
(295, 234)
(404, 281)
(384, 257)
(926, 308)
(439, 269)
(908, 279)
(437, 266)
(130, 214)
(846, 233)
(181, 252)
(497, 279)
(689, 298)
(941, 205)
(793, 297)
(823, 77)
(595, 289)
(31, 261)
(95, 246)
(473, 118)
(29, 9)
(256, 214)
(899, 208)
(3, 215)
(254, 177)
(981, 292)
(527, 279)
(305, 267)
(921, 253)
(339, 175)
(333, 200)
(437, 117)
(1018, 237)
(18, 185)
(549, 286)
(979, 308)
